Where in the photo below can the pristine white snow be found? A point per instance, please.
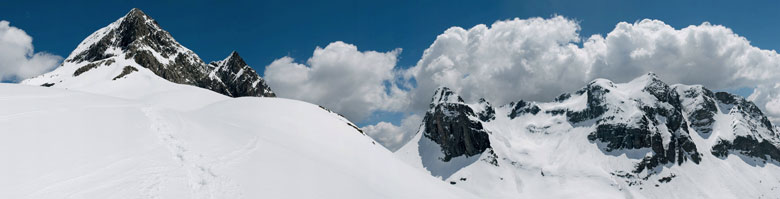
(186, 142)
(544, 156)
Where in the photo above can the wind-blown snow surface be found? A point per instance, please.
(546, 156)
(187, 142)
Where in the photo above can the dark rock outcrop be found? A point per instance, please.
(488, 113)
(234, 71)
(126, 71)
(596, 105)
(749, 146)
(755, 136)
(701, 109)
(661, 115)
(453, 125)
(522, 107)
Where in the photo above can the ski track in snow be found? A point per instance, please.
(202, 180)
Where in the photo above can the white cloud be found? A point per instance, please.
(17, 60)
(706, 54)
(530, 59)
(538, 59)
(394, 137)
(768, 98)
(341, 78)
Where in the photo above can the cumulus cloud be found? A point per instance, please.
(530, 59)
(768, 97)
(538, 59)
(394, 137)
(342, 78)
(706, 54)
(17, 60)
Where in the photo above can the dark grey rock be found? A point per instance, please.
(702, 116)
(488, 113)
(522, 107)
(595, 104)
(619, 135)
(234, 71)
(126, 71)
(449, 125)
(766, 148)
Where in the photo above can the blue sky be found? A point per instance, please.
(266, 30)
(262, 31)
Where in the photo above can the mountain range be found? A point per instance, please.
(131, 113)
(640, 139)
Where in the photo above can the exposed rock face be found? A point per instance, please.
(699, 105)
(645, 114)
(138, 38)
(454, 126)
(643, 133)
(662, 117)
(488, 113)
(522, 107)
(754, 134)
(234, 71)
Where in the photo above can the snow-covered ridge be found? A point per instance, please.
(643, 138)
(136, 41)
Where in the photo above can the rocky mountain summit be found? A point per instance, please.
(628, 137)
(136, 41)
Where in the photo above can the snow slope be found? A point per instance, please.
(544, 151)
(186, 142)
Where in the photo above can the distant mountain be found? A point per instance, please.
(640, 139)
(135, 42)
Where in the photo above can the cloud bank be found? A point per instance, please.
(530, 59)
(341, 78)
(17, 60)
(538, 59)
(394, 137)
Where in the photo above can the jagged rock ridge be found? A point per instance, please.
(636, 136)
(136, 40)
(662, 119)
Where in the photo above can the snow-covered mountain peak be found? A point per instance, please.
(234, 71)
(135, 48)
(600, 82)
(647, 77)
(624, 139)
(133, 31)
(233, 60)
(445, 95)
(233, 57)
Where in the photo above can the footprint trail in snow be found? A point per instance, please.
(202, 180)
